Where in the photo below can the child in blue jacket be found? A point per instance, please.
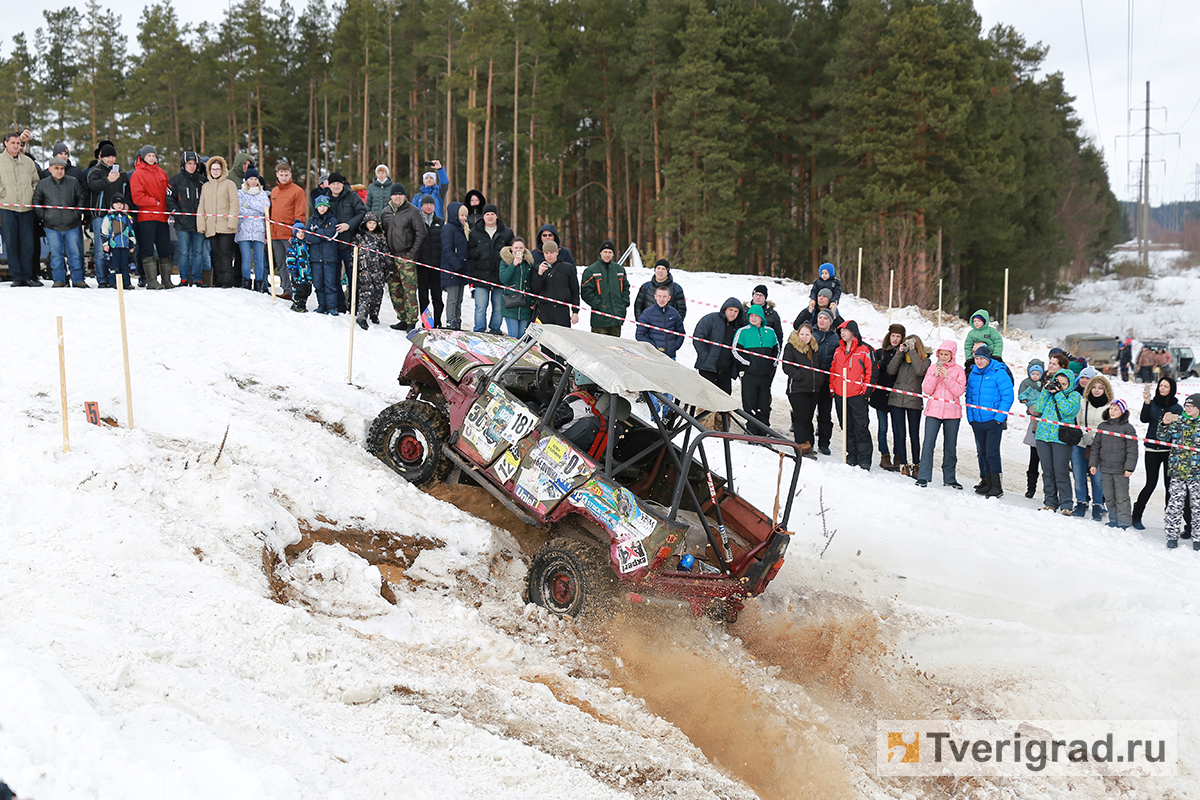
(119, 241)
(323, 255)
(826, 279)
(299, 267)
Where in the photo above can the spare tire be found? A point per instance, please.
(408, 436)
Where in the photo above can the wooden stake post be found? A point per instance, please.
(939, 309)
(125, 347)
(1006, 302)
(891, 285)
(62, 383)
(858, 284)
(353, 318)
(270, 256)
(845, 413)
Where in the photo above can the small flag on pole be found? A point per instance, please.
(427, 317)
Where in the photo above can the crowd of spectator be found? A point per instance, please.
(225, 218)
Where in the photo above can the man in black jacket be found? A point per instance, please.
(183, 198)
(405, 232)
(348, 209)
(429, 277)
(559, 283)
(64, 226)
(489, 236)
(715, 361)
(662, 277)
(105, 181)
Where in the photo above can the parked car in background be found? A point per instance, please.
(1099, 349)
(1183, 362)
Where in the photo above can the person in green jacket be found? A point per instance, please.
(605, 288)
(983, 332)
(516, 265)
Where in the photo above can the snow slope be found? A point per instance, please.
(146, 652)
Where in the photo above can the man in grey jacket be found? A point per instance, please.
(63, 197)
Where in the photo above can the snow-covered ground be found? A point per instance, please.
(146, 652)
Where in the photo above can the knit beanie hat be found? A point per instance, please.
(323, 200)
(827, 294)
(428, 200)
(118, 198)
(1086, 374)
(549, 246)
(398, 189)
(663, 262)
(429, 175)
(490, 208)
(107, 150)
(1121, 405)
(1193, 400)
(825, 312)
(251, 172)
(983, 351)
(762, 287)
(607, 244)
(337, 177)
(146, 150)
(59, 149)
(383, 167)
(298, 225)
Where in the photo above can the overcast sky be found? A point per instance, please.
(1164, 45)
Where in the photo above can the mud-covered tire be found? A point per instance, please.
(408, 437)
(570, 577)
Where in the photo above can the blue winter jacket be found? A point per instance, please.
(322, 249)
(666, 317)
(833, 284)
(991, 387)
(455, 249)
(437, 192)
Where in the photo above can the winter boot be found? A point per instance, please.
(985, 483)
(1031, 487)
(1080, 510)
(1172, 544)
(1098, 512)
(164, 273)
(150, 273)
(885, 461)
(1137, 524)
(996, 489)
(206, 278)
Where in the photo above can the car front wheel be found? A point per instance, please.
(408, 437)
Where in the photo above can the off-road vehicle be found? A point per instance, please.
(636, 507)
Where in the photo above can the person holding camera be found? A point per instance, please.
(105, 180)
(557, 283)
(1056, 403)
(433, 184)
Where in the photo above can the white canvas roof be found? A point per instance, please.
(627, 367)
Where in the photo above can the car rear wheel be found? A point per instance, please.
(570, 577)
(408, 437)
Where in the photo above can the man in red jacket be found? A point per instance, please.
(148, 187)
(854, 358)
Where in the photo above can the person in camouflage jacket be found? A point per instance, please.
(299, 267)
(374, 268)
(1183, 466)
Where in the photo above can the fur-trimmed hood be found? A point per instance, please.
(506, 255)
(216, 160)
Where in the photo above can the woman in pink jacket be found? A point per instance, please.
(943, 386)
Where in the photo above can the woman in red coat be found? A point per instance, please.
(148, 189)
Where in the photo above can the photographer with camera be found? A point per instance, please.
(433, 185)
(1057, 403)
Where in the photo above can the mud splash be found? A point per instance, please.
(479, 502)
(683, 678)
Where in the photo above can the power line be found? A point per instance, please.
(1087, 51)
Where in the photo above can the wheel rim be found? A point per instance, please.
(561, 588)
(409, 448)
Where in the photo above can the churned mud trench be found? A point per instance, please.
(785, 701)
